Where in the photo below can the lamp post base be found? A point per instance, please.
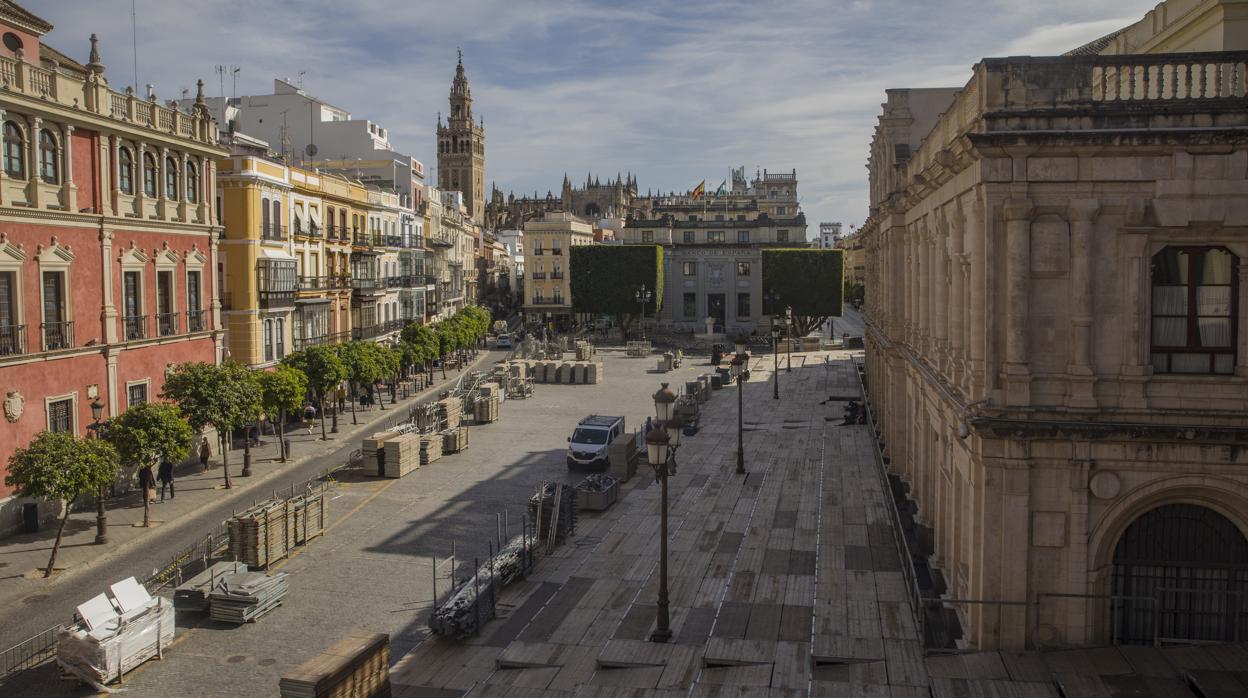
(664, 635)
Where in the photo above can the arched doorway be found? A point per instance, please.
(1180, 575)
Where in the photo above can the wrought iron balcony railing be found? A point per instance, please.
(167, 324)
(135, 326)
(57, 335)
(12, 340)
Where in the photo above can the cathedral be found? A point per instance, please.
(461, 147)
(616, 198)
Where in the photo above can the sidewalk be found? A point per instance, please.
(24, 557)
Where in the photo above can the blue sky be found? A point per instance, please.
(676, 92)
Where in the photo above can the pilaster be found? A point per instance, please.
(69, 191)
(34, 197)
(1017, 311)
(1082, 214)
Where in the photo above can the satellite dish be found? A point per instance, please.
(310, 150)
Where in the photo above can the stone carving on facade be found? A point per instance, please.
(14, 406)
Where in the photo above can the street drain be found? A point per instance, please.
(268, 662)
(237, 658)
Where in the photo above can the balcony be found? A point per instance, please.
(556, 251)
(548, 301)
(307, 231)
(277, 298)
(302, 343)
(556, 275)
(377, 330)
(12, 340)
(539, 275)
(538, 252)
(395, 281)
(57, 335)
(392, 240)
(370, 284)
(311, 284)
(167, 324)
(135, 327)
(196, 320)
(273, 232)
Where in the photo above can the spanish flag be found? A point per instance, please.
(700, 190)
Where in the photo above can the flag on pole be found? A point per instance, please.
(723, 189)
(700, 190)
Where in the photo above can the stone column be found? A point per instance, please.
(139, 176)
(1241, 368)
(978, 294)
(940, 295)
(1082, 214)
(108, 309)
(67, 170)
(957, 309)
(32, 168)
(925, 291)
(114, 170)
(1018, 284)
(162, 205)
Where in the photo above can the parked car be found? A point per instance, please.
(587, 447)
(503, 341)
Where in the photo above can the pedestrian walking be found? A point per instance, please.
(205, 452)
(147, 482)
(342, 399)
(309, 414)
(165, 476)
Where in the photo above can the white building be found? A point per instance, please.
(829, 235)
(513, 240)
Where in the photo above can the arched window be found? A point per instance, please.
(192, 183)
(277, 219)
(1194, 298)
(14, 151)
(171, 178)
(264, 218)
(125, 170)
(48, 157)
(149, 174)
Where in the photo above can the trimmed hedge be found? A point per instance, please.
(605, 278)
(808, 280)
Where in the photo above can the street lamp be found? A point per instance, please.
(643, 296)
(101, 519)
(740, 375)
(775, 361)
(657, 454)
(788, 345)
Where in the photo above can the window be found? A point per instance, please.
(740, 216)
(743, 236)
(690, 305)
(342, 221)
(57, 332)
(781, 210)
(689, 268)
(264, 218)
(714, 236)
(743, 268)
(171, 178)
(149, 174)
(14, 151)
(647, 236)
(48, 170)
(192, 183)
(166, 317)
(10, 334)
(136, 394)
(329, 214)
(690, 236)
(268, 340)
(1193, 310)
(280, 331)
(132, 308)
(275, 218)
(125, 171)
(782, 236)
(692, 217)
(719, 217)
(61, 415)
(194, 304)
(743, 306)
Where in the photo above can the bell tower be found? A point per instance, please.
(461, 147)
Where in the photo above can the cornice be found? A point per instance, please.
(93, 220)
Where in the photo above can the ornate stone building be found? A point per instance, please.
(617, 198)
(461, 148)
(1057, 333)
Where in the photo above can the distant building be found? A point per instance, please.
(829, 235)
(547, 243)
(713, 249)
(461, 148)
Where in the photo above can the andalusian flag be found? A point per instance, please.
(723, 189)
(700, 190)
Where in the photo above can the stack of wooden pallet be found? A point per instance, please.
(452, 411)
(401, 455)
(430, 448)
(584, 351)
(455, 440)
(244, 597)
(357, 666)
(486, 410)
(307, 517)
(372, 447)
(258, 536)
(193, 594)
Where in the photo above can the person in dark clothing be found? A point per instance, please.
(205, 452)
(147, 483)
(165, 476)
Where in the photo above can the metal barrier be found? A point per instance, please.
(29, 653)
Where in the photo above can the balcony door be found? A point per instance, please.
(9, 339)
(164, 302)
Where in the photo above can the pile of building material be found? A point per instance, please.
(452, 411)
(584, 351)
(623, 455)
(372, 448)
(430, 448)
(194, 593)
(597, 492)
(116, 632)
(455, 440)
(565, 372)
(400, 456)
(357, 665)
(472, 602)
(552, 509)
(266, 532)
(244, 597)
(485, 410)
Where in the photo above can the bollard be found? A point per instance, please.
(476, 588)
(435, 582)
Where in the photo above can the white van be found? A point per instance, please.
(587, 447)
(503, 341)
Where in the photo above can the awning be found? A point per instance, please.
(269, 253)
(298, 221)
(315, 215)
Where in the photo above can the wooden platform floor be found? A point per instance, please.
(782, 582)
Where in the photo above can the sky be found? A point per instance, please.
(675, 92)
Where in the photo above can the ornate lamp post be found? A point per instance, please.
(788, 346)
(775, 361)
(643, 296)
(658, 454)
(740, 374)
(101, 519)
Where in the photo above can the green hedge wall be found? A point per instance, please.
(809, 280)
(604, 278)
